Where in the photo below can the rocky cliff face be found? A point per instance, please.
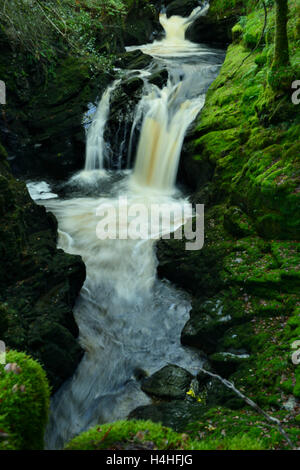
(38, 283)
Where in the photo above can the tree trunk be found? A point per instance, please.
(281, 57)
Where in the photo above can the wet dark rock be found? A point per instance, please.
(133, 60)
(217, 394)
(176, 414)
(196, 174)
(211, 30)
(48, 136)
(117, 132)
(123, 104)
(169, 382)
(202, 377)
(196, 271)
(181, 7)
(132, 85)
(141, 24)
(139, 374)
(206, 325)
(227, 362)
(38, 284)
(159, 78)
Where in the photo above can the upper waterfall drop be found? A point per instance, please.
(168, 112)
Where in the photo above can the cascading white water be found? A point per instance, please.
(167, 116)
(129, 321)
(168, 112)
(95, 144)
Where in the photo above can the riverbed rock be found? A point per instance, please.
(181, 7)
(141, 24)
(123, 104)
(133, 60)
(226, 363)
(176, 414)
(217, 394)
(215, 27)
(170, 382)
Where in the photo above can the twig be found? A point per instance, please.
(57, 29)
(250, 402)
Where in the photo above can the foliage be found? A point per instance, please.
(221, 423)
(234, 7)
(48, 29)
(24, 403)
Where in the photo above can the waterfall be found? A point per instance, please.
(129, 321)
(168, 112)
(167, 116)
(96, 148)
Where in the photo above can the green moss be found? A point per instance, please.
(248, 130)
(133, 435)
(280, 78)
(261, 59)
(24, 402)
(253, 29)
(219, 423)
(237, 33)
(124, 434)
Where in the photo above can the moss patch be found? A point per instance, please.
(24, 403)
(145, 435)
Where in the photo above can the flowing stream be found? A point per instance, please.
(130, 322)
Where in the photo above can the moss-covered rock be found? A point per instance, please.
(241, 159)
(24, 403)
(220, 422)
(129, 435)
(175, 414)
